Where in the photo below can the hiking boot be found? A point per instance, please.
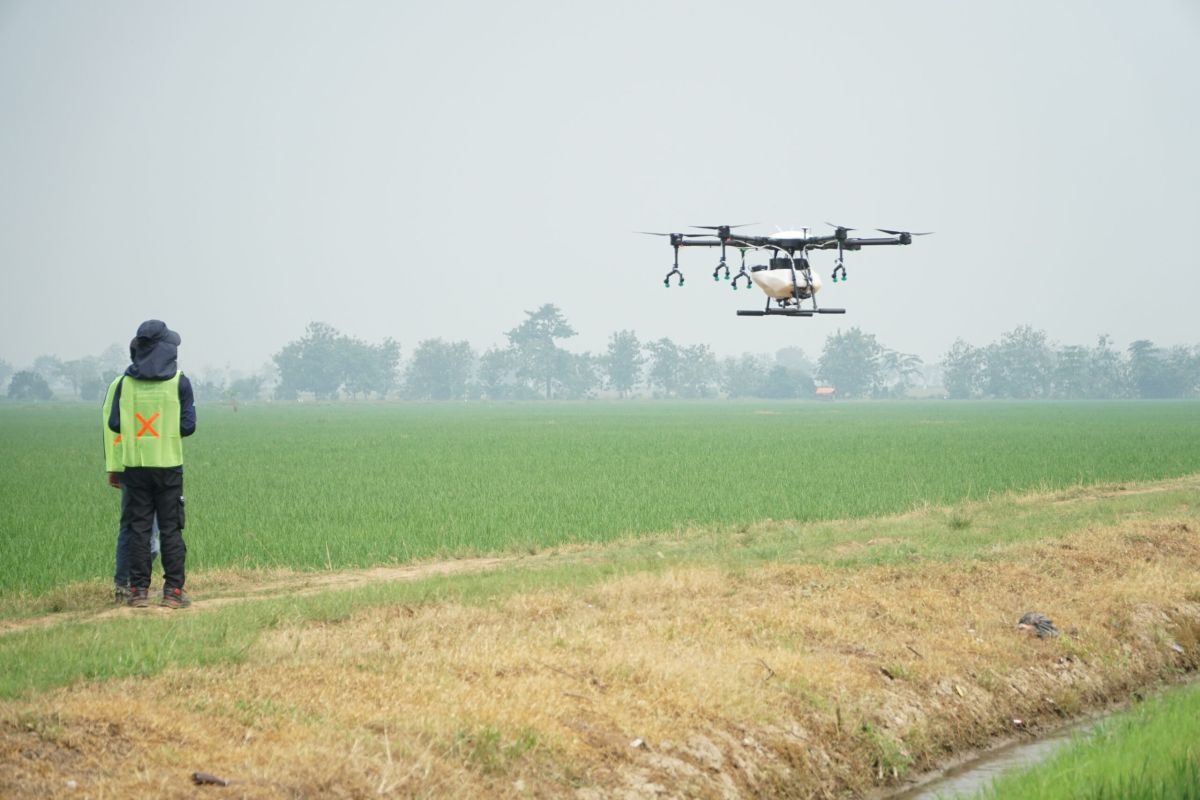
(138, 597)
(121, 594)
(175, 598)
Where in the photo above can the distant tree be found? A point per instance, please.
(326, 363)
(795, 359)
(112, 361)
(310, 364)
(6, 372)
(268, 371)
(778, 384)
(582, 376)
(496, 376)
(80, 371)
(51, 370)
(245, 389)
(898, 372)
(1020, 365)
(29, 386)
(92, 389)
(962, 371)
(1158, 375)
(850, 362)
(1144, 368)
(786, 383)
(664, 368)
(1108, 376)
(370, 369)
(623, 361)
(743, 376)
(698, 374)
(538, 357)
(439, 370)
(1185, 363)
(209, 387)
(1179, 372)
(1072, 372)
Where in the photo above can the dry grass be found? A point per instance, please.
(785, 680)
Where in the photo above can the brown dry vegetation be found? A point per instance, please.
(782, 680)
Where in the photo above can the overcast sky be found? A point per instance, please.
(420, 170)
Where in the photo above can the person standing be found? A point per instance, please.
(153, 409)
(114, 468)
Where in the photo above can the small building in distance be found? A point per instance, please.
(826, 392)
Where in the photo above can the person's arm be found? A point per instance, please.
(187, 407)
(114, 416)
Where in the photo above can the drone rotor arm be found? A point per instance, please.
(856, 243)
(750, 241)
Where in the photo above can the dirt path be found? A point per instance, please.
(292, 584)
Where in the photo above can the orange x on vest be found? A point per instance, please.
(147, 425)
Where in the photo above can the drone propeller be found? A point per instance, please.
(654, 233)
(905, 236)
(839, 233)
(719, 227)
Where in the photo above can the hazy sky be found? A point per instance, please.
(420, 170)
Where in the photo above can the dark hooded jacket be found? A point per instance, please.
(153, 356)
(154, 352)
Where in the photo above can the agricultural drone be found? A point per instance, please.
(788, 277)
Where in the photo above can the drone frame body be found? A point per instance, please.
(789, 251)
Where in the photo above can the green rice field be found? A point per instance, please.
(331, 486)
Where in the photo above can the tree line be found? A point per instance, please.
(1024, 364)
(49, 376)
(534, 364)
(325, 364)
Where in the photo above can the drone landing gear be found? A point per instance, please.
(790, 312)
(777, 312)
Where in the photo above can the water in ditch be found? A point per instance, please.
(969, 778)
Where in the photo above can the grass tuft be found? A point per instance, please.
(958, 522)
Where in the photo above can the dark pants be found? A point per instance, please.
(150, 491)
(121, 576)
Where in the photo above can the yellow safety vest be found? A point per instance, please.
(150, 413)
(112, 441)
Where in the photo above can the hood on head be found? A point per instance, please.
(154, 352)
(157, 330)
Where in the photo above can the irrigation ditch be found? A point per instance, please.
(976, 773)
